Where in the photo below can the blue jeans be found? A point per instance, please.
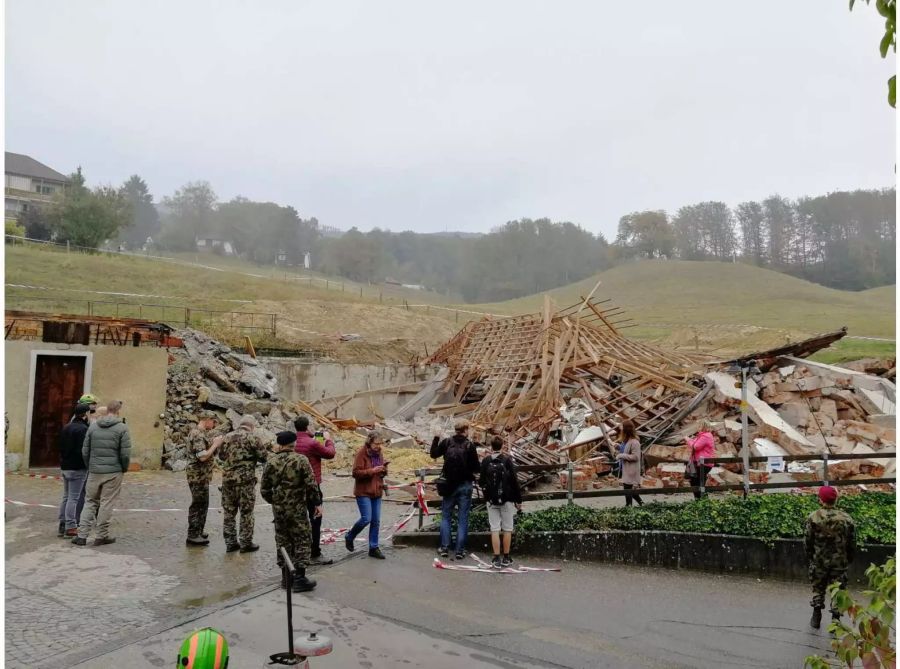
(369, 514)
(73, 497)
(462, 499)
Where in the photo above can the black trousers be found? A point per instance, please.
(699, 478)
(316, 526)
(629, 496)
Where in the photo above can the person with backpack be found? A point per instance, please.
(500, 486)
(629, 458)
(703, 446)
(455, 484)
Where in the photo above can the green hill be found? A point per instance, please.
(661, 294)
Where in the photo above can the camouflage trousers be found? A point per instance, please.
(199, 506)
(293, 532)
(238, 496)
(821, 576)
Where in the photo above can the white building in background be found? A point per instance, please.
(29, 183)
(306, 262)
(208, 244)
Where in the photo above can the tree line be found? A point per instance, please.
(843, 239)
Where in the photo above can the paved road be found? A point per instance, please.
(134, 595)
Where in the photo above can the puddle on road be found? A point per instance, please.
(214, 598)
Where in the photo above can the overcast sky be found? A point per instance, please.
(456, 116)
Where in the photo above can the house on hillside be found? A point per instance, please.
(213, 245)
(52, 360)
(29, 183)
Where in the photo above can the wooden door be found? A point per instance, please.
(58, 383)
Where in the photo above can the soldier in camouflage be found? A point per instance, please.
(240, 451)
(203, 442)
(830, 546)
(288, 484)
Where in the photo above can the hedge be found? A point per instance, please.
(768, 517)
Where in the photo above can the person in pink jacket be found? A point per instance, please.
(315, 451)
(702, 446)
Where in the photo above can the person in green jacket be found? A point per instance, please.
(107, 454)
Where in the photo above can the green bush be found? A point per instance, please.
(766, 517)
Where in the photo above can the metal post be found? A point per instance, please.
(421, 510)
(825, 467)
(570, 495)
(745, 437)
(67, 246)
(702, 477)
(289, 566)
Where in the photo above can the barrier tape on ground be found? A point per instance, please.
(484, 568)
(35, 476)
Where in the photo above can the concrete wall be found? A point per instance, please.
(135, 375)
(309, 381)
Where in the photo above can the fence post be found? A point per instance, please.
(570, 483)
(457, 315)
(274, 325)
(67, 246)
(825, 467)
(701, 471)
(187, 316)
(421, 474)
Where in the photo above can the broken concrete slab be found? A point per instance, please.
(883, 420)
(875, 402)
(828, 407)
(404, 442)
(797, 414)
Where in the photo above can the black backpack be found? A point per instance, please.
(495, 480)
(455, 470)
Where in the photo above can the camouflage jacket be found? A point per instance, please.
(239, 453)
(830, 538)
(198, 441)
(288, 481)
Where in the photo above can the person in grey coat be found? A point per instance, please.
(107, 454)
(630, 458)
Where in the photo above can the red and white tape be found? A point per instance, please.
(35, 476)
(483, 567)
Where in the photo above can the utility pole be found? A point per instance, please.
(745, 438)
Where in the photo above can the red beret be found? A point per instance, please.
(827, 494)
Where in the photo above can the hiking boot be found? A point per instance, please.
(231, 548)
(61, 530)
(443, 552)
(816, 621)
(102, 541)
(506, 561)
(301, 583)
(319, 560)
(197, 541)
(461, 555)
(495, 563)
(376, 553)
(72, 533)
(78, 541)
(204, 535)
(348, 542)
(250, 548)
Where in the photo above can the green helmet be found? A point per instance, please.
(87, 399)
(204, 649)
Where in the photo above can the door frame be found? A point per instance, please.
(32, 377)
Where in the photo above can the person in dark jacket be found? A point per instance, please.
(369, 470)
(74, 473)
(460, 469)
(107, 454)
(501, 490)
(315, 451)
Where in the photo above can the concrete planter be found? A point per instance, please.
(722, 553)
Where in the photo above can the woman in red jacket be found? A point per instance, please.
(369, 470)
(702, 446)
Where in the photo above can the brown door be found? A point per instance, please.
(58, 383)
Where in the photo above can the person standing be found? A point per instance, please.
(630, 459)
(202, 445)
(74, 473)
(830, 548)
(315, 451)
(240, 451)
(702, 446)
(501, 490)
(289, 485)
(459, 472)
(106, 453)
(369, 470)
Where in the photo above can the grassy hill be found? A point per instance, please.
(707, 306)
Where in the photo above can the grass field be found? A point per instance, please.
(705, 306)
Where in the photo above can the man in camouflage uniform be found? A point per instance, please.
(240, 451)
(203, 442)
(830, 546)
(288, 483)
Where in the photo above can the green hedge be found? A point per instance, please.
(763, 516)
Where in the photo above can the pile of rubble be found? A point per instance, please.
(207, 375)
